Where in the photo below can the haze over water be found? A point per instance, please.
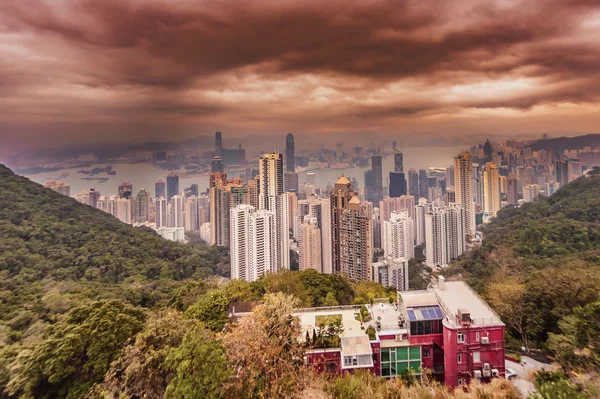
(145, 175)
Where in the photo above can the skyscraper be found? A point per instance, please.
(319, 209)
(141, 207)
(512, 190)
(397, 184)
(273, 198)
(291, 182)
(224, 195)
(562, 171)
(351, 232)
(413, 183)
(172, 185)
(125, 190)
(263, 245)
(398, 162)
(420, 211)
(398, 236)
(290, 153)
(423, 184)
(402, 203)
(161, 212)
(463, 189)
(491, 189)
(159, 189)
(377, 168)
(191, 214)
(369, 186)
(218, 144)
(310, 245)
(444, 235)
(217, 165)
(487, 151)
(239, 247)
(176, 214)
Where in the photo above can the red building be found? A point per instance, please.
(448, 330)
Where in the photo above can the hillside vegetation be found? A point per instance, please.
(539, 267)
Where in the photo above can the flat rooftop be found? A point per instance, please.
(458, 295)
(310, 319)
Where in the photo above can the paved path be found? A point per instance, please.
(523, 370)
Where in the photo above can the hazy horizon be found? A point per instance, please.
(134, 71)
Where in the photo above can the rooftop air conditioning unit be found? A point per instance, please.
(487, 373)
(495, 373)
(464, 316)
(486, 366)
(485, 340)
(477, 374)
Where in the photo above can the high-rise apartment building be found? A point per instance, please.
(273, 198)
(176, 213)
(389, 205)
(319, 209)
(172, 185)
(141, 207)
(351, 232)
(491, 189)
(224, 194)
(161, 212)
(239, 247)
(391, 272)
(123, 210)
(191, 214)
(463, 189)
(421, 210)
(397, 236)
(444, 235)
(310, 245)
(487, 151)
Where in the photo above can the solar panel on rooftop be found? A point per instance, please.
(425, 313)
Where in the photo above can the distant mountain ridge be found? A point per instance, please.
(567, 143)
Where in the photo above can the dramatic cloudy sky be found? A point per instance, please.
(130, 69)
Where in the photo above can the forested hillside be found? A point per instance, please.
(539, 264)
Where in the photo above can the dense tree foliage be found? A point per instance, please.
(541, 260)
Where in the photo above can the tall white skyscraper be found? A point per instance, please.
(391, 272)
(176, 219)
(162, 212)
(463, 189)
(320, 209)
(420, 210)
(310, 245)
(191, 216)
(397, 236)
(435, 238)
(272, 198)
(445, 238)
(239, 247)
(263, 248)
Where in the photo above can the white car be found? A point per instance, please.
(510, 374)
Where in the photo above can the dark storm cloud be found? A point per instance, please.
(228, 59)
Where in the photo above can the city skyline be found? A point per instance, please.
(181, 70)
